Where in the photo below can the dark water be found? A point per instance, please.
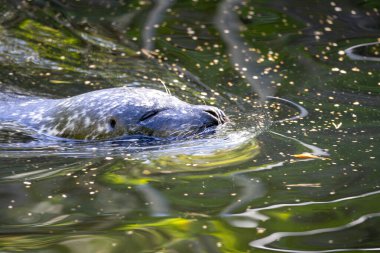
(261, 184)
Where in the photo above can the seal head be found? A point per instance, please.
(118, 112)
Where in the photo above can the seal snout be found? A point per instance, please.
(217, 116)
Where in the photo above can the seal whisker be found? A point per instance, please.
(181, 133)
(166, 88)
(178, 133)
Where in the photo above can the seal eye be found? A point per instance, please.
(149, 114)
(112, 123)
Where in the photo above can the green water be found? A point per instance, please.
(245, 189)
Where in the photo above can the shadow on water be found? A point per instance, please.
(295, 171)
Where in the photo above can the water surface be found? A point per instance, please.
(296, 171)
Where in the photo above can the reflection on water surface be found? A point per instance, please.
(294, 172)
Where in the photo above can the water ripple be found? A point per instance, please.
(262, 243)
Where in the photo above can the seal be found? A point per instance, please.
(113, 113)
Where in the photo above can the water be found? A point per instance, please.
(296, 171)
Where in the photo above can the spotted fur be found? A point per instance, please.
(111, 113)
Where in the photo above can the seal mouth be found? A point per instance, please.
(194, 131)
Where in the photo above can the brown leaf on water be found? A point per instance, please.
(309, 156)
(304, 185)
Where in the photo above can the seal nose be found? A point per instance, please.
(217, 115)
